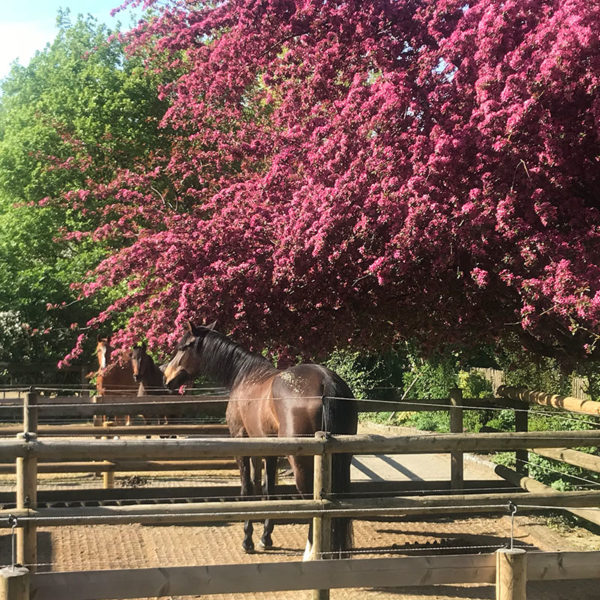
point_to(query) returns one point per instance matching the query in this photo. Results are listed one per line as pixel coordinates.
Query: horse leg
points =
(303, 473)
(244, 466)
(256, 463)
(269, 486)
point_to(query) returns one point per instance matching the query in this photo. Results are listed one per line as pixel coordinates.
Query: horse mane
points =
(229, 364)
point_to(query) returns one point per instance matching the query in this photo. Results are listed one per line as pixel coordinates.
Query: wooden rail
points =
(569, 403)
(411, 571)
(590, 462)
(209, 447)
(132, 466)
(359, 573)
(290, 510)
(68, 431)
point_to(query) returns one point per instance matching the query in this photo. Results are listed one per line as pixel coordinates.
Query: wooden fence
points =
(134, 583)
(510, 569)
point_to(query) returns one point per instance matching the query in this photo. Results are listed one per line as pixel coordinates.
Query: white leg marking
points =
(308, 552)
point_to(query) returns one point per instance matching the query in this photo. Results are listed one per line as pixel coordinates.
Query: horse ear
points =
(144, 346)
(189, 326)
(211, 326)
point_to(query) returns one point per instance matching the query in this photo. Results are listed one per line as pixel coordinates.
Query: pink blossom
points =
(361, 172)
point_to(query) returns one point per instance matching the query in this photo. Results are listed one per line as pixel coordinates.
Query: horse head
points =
(187, 362)
(139, 361)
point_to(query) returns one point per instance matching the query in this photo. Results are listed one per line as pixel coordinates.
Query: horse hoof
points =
(248, 548)
(266, 544)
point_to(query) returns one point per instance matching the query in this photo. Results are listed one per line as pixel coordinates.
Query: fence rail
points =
(345, 573)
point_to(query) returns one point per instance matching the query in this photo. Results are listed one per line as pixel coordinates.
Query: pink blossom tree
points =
(355, 172)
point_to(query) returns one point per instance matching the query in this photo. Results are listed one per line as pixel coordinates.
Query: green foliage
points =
(474, 385)
(503, 420)
(15, 336)
(430, 421)
(523, 368)
(368, 375)
(430, 379)
(80, 110)
(559, 475)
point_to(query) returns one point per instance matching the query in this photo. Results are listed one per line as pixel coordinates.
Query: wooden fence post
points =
(30, 412)
(511, 574)
(26, 470)
(321, 525)
(456, 426)
(522, 424)
(108, 477)
(14, 583)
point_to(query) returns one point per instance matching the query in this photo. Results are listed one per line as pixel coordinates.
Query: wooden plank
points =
(206, 512)
(467, 442)
(569, 403)
(553, 566)
(130, 430)
(161, 449)
(583, 460)
(135, 466)
(263, 577)
(180, 449)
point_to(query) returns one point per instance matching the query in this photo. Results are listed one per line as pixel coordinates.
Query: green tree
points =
(80, 110)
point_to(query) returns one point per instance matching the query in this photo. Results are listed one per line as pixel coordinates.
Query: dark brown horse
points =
(148, 374)
(265, 401)
(114, 378)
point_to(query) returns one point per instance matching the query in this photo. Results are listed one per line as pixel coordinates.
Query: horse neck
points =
(103, 353)
(152, 377)
(228, 364)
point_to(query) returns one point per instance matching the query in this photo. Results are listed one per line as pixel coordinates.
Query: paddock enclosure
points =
(55, 434)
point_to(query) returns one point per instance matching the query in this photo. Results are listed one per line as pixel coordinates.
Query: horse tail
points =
(340, 416)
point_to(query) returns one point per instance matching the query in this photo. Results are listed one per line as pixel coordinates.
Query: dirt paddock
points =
(136, 546)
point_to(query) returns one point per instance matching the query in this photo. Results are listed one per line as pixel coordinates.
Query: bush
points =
(15, 337)
(368, 375)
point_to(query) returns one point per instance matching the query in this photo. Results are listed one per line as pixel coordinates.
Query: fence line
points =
(508, 566)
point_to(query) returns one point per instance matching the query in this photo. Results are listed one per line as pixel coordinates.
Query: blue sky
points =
(28, 25)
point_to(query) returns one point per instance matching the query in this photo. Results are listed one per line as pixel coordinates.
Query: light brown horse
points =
(114, 378)
(265, 401)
